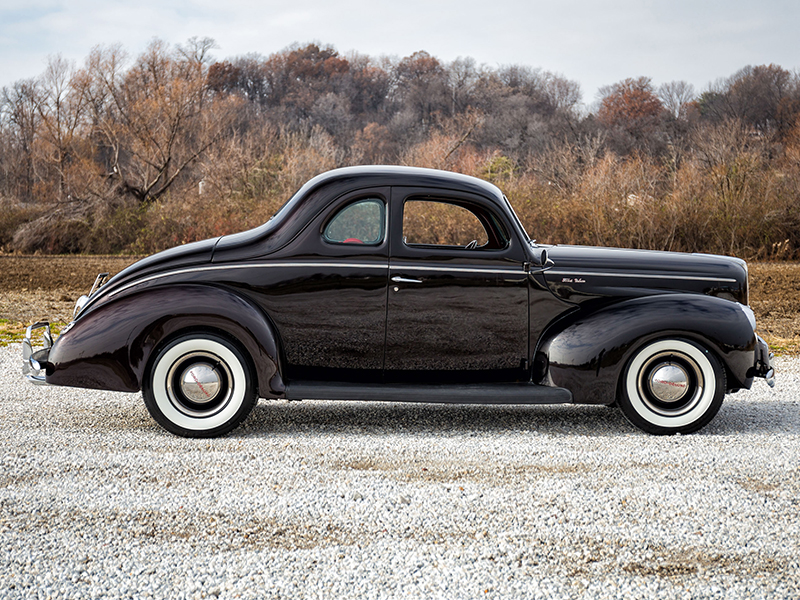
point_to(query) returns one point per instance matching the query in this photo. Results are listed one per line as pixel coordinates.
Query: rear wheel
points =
(199, 385)
(672, 386)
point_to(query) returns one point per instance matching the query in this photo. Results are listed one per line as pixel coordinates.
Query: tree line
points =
(135, 154)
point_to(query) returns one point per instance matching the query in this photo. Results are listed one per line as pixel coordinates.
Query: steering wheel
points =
(472, 245)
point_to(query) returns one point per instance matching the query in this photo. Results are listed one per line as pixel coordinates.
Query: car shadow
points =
(308, 417)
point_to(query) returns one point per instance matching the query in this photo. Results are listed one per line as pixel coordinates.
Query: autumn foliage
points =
(136, 154)
(631, 104)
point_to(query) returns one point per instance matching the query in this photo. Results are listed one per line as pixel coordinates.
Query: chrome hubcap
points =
(200, 383)
(669, 383)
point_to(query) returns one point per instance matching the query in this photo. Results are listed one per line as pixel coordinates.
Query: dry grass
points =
(775, 298)
(725, 194)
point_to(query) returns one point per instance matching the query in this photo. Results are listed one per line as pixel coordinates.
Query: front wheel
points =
(672, 386)
(199, 385)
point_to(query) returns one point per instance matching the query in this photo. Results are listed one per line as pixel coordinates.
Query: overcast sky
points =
(594, 42)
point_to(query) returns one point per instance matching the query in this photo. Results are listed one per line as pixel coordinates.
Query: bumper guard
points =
(763, 364)
(33, 363)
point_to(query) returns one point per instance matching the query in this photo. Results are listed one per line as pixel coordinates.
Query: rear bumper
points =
(34, 363)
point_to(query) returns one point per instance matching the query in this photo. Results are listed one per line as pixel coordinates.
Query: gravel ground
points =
(358, 500)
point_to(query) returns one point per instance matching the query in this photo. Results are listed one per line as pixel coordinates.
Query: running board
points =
(481, 393)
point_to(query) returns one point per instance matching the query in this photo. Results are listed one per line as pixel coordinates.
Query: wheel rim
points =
(670, 383)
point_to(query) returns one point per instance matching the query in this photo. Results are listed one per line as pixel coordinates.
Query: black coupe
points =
(412, 285)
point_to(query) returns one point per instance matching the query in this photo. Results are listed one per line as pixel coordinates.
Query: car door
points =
(457, 307)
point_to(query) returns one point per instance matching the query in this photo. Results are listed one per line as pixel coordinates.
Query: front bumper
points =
(34, 364)
(763, 362)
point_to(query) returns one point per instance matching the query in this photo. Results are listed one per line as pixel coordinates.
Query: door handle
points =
(398, 279)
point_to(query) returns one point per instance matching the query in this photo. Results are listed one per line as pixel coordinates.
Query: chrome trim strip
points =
(400, 267)
(642, 275)
(315, 265)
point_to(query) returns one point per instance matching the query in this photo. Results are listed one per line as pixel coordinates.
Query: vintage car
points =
(410, 285)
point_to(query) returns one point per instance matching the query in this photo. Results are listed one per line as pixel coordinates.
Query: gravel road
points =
(357, 500)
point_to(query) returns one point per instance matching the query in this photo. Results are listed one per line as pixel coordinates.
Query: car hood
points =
(582, 273)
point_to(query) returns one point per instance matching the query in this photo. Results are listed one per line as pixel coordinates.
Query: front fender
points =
(588, 351)
(109, 348)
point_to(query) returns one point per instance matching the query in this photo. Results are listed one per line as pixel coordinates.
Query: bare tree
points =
(564, 94)
(764, 98)
(61, 108)
(421, 85)
(18, 109)
(676, 96)
(462, 74)
(155, 119)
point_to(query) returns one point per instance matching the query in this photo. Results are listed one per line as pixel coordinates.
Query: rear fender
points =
(588, 351)
(110, 347)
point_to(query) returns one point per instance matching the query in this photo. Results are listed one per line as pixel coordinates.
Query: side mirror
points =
(540, 258)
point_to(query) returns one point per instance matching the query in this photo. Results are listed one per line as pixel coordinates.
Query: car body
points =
(368, 285)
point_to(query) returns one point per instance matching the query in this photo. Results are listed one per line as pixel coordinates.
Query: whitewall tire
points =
(199, 385)
(671, 386)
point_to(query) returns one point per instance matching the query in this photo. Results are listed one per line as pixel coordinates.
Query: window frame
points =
(498, 238)
(346, 206)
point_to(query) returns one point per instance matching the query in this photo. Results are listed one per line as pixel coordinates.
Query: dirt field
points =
(45, 287)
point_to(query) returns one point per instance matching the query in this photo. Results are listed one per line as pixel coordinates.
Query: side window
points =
(359, 223)
(443, 223)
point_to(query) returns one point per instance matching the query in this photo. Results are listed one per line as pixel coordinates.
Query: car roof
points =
(293, 215)
(392, 175)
